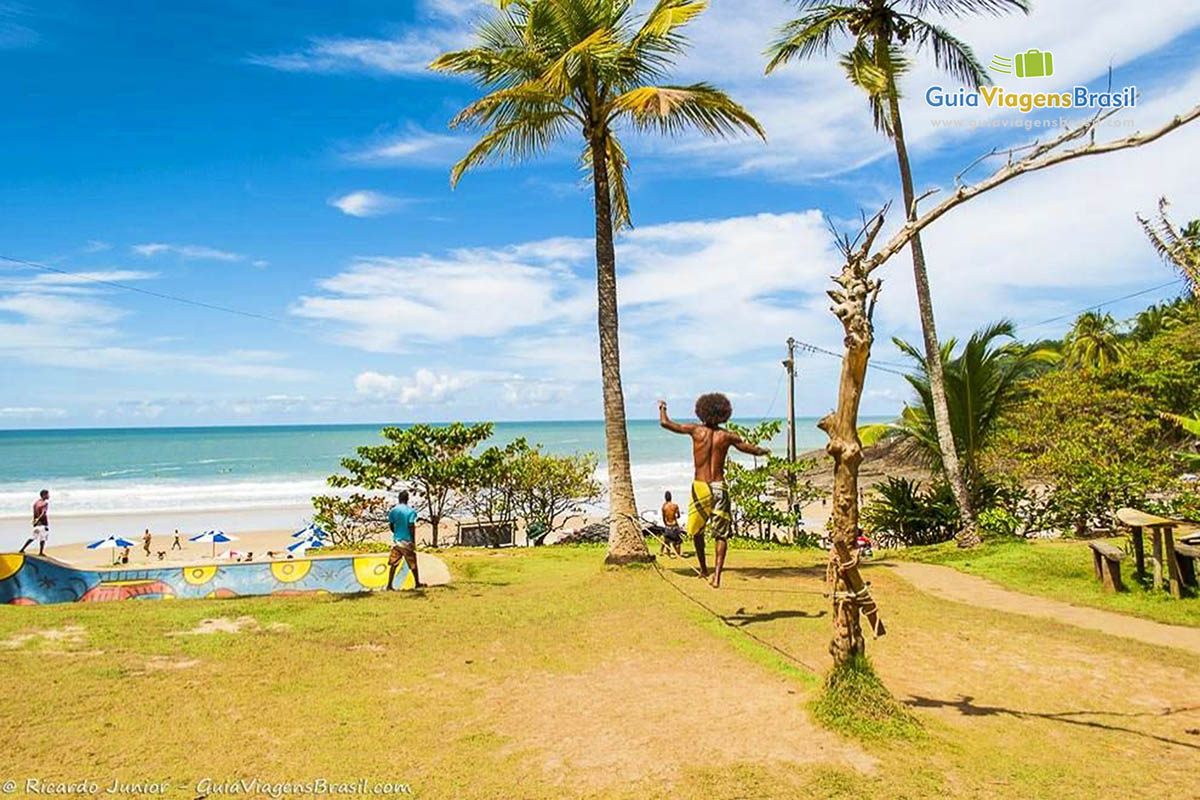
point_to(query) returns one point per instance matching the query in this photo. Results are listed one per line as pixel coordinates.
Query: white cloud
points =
(389, 304)
(367, 203)
(96, 246)
(31, 413)
(441, 25)
(55, 320)
(425, 387)
(819, 125)
(188, 251)
(415, 146)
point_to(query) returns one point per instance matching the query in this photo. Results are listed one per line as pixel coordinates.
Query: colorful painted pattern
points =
(32, 580)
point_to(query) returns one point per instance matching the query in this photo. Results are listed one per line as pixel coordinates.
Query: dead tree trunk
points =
(854, 303)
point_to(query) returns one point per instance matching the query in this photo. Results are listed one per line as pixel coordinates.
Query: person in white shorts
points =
(41, 522)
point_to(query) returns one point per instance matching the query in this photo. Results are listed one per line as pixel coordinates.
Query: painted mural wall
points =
(32, 580)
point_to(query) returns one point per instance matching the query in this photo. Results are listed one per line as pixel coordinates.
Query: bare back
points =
(710, 448)
(710, 445)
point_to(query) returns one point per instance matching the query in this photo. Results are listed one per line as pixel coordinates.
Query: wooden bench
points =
(1106, 560)
(1162, 553)
(1186, 555)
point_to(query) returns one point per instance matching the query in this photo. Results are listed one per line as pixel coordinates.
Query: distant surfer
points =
(402, 519)
(711, 511)
(41, 522)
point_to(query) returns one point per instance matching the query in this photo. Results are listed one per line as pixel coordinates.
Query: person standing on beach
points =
(41, 522)
(672, 536)
(710, 510)
(146, 542)
(402, 519)
(175, 545)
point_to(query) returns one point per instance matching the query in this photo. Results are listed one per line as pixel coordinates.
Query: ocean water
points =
(165, 471)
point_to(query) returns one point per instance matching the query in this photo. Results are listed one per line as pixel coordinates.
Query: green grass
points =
(1061, 570)
(541, 674)
(854, 701)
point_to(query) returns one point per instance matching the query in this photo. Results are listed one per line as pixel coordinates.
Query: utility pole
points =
(790, 365)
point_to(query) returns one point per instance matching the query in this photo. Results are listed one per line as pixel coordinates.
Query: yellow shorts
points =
(711, 511)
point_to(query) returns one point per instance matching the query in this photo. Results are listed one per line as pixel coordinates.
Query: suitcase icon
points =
(1033, 63)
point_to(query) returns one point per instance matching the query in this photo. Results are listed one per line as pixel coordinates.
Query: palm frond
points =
(950, 53)
(811, 34)
(672, 109)
(519, 139)
(618, 189)
(1179, 249)
(667, 16)
(962, 8)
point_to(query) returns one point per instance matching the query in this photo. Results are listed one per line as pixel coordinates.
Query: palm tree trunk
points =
(968, 536)
(625, 541)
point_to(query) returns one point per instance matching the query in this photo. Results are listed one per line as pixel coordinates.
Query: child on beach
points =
(175, 545)
(146, 542)
(710, 508)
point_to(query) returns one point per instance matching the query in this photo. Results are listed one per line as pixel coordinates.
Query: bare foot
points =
(715, 582)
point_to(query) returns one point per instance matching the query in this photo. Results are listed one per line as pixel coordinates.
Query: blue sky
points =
(291, 160)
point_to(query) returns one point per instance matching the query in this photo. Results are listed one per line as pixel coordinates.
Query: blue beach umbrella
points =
(212, 537)
(311, 531)
(111, 541)
(301, 545)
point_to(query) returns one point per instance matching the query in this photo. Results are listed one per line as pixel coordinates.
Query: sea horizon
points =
(121, 479)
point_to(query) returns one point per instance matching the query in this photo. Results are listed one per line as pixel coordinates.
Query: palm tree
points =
(1179, 247)
(1094, 343)
(881, 30)
(983, 381)
(551, 67)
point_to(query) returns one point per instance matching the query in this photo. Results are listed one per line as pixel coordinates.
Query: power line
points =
(149, 292)
(887, 366)
(882, 366)
(1101, 304)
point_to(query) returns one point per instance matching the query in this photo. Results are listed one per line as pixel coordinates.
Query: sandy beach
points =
(256, 540)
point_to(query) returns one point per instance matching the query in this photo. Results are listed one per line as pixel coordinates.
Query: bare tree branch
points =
(1039, 157)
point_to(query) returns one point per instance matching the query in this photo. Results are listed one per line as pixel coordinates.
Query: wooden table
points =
(1162, 547)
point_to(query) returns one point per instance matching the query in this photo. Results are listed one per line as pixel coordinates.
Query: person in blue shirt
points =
(402, 519)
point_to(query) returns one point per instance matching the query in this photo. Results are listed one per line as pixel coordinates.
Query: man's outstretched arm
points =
(670, 425)
(752, 449)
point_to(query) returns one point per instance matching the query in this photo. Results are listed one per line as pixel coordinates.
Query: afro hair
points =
(713, 409)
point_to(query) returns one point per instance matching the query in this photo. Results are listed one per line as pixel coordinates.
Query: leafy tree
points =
(434, 461)
(1165, 370)
(552, 488)
(881, 30)
(759, 492)
(1094, 342)
(489, 491)
(1095, 448)
(351, 521)
(983, 382)
(1178, 247)
(553, 67)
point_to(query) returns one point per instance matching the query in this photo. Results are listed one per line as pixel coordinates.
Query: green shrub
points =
(998, 521)
(903, 513)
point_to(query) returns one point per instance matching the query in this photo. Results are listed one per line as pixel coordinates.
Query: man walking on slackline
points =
(710, 511)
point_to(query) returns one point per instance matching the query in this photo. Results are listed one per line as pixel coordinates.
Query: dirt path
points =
(951, 584)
